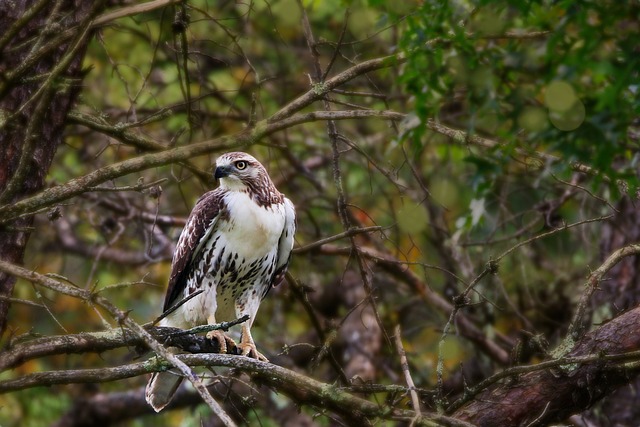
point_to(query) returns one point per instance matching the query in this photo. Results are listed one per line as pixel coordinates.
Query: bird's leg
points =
(224, 341)
(247, 347)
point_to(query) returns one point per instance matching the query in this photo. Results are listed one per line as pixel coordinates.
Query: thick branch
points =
(302, 389)
(81, 184)
(98, 342)
(123, 319)
(554, 394)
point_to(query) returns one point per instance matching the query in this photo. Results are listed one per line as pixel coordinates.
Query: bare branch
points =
(131, 10)
(302, 389)
(348, 233)
(415, 401)
(594, 367)
(79, 185)
(579, 324)
(399, 269)
(123, 319)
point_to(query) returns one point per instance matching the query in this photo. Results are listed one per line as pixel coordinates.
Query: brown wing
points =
(201, 222)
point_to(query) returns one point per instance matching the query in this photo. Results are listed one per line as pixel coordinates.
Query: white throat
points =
(232, 184)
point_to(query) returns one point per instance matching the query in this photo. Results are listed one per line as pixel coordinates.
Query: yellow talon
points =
(224, 341)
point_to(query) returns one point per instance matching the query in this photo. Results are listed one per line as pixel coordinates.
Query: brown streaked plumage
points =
(234, 247)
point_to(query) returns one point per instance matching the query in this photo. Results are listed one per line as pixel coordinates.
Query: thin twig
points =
(550, 233)
(578, 325)
(222, 326)
(138, 187)
(122, 318)
(586, 190)
(21, 301)
(415, 400)
(349, 233)
(177, 305)
(334, 56)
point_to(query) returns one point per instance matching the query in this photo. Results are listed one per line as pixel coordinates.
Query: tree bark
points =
(41, 51)
(238, 398)
(619, 292)
(544, 396)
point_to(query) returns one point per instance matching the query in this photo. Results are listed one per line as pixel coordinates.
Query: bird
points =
(235, 246)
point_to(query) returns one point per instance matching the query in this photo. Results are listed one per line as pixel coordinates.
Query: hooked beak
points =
(221, 172)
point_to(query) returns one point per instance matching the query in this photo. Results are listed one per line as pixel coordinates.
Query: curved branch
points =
(99, 342)
(262, 129)
(123, 319)
(399, 269)
(301, 388)
(554, 394)
(465, 138)
(578, 324)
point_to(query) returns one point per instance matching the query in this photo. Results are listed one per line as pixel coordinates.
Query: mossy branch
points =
(82, 184)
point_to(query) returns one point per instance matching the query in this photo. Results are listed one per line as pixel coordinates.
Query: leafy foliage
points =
(461, 242)
(561, 77)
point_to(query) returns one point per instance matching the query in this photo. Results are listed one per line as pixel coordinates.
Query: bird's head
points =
(238, 171)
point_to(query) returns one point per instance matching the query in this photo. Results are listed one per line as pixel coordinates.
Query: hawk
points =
(235, 246)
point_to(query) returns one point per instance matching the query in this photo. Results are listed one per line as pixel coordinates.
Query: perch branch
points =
(123, 319)
(299, 387)
(99, 342)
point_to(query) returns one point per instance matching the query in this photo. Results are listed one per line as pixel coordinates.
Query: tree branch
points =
(399, 269)
(579, 324)
(596, 366)
(302, 389)
(80, 185)
(98, 342)
(123, 319)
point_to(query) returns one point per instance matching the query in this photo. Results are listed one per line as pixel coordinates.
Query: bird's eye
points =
(241, 165)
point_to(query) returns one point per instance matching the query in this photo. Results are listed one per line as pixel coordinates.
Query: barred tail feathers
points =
(163, 385)
(161, 388)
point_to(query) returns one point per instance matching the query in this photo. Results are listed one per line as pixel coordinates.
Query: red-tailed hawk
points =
(234, 247)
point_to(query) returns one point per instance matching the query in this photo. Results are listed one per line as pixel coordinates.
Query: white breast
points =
(251, 230)
(244, 233)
